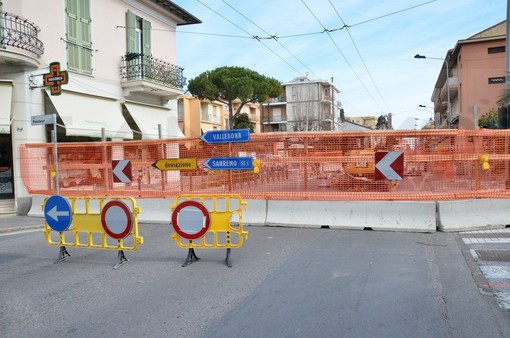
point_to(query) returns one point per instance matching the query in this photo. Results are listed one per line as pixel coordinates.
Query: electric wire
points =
(259, 40)
(273, 38)
(343, 56)
(361, 57)
(325, 30)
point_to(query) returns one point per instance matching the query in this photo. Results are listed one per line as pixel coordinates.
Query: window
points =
(79, 42)
(138, 35)
(494, 50)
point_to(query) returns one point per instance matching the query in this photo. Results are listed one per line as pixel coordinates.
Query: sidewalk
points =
(11, 223)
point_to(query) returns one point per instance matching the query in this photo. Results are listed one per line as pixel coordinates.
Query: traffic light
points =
(256, 165)
(484, 159)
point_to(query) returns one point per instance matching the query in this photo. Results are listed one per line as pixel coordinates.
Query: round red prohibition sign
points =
(116, 219)
(191, 220)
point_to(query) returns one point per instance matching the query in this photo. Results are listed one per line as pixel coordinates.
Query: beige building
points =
(367, 121)
(476, 79)
(199, 116)
(122, 80)
(253, 111)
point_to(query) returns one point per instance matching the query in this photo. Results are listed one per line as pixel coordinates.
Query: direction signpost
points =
(229, 163)
(226, 136)
(176, 164)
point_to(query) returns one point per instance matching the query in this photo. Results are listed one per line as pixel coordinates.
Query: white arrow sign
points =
(54, 213)
(384, 165)
(120, 169)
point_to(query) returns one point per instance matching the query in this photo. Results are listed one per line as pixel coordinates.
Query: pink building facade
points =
(476, 79)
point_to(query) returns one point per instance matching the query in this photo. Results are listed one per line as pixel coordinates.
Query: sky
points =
(366, 46)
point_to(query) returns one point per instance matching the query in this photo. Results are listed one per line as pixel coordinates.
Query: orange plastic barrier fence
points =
(438, 165)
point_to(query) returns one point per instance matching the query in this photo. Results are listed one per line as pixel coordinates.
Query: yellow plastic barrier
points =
(211, 221)
(93, 226)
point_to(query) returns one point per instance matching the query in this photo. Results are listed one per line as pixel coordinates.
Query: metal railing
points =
(20, 33)
(137, 66)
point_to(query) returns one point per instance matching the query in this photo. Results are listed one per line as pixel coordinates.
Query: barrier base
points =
(121, 259)
(192, 257)
(62, 255)
(228, 259)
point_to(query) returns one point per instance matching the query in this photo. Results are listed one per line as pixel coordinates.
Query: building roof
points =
(186, 17)
(305, 79)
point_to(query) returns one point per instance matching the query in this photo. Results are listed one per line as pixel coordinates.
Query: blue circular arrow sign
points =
(57, 212)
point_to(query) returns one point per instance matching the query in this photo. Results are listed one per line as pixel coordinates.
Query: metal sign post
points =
(39, 120)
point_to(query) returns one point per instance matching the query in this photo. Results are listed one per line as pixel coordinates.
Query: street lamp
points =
(427, 107)
(449, 105)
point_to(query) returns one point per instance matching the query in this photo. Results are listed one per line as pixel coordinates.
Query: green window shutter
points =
(72, 20)
(130, 32)
(73, 58)
(85, 37)
(78, 22)
(85, 20)
(146, 36)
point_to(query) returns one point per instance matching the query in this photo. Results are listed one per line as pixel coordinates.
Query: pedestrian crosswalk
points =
(492, 255)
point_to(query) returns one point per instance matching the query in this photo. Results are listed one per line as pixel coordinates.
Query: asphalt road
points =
(285, 282)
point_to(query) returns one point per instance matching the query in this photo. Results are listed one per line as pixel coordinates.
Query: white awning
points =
(5, 106)
(147, 119)
(85, 115)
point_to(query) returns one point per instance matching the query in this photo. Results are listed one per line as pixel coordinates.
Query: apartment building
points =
(472, 78)
(305, 105)
(110, 67)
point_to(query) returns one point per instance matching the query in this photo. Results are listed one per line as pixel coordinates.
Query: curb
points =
(21, 228)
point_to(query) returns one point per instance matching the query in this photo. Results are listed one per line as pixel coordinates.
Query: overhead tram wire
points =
(361, 58)
(342, 54)
(273, 37)
(253, 36)
(300, 34)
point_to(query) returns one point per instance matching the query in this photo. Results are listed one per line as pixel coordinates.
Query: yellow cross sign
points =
(176, 164)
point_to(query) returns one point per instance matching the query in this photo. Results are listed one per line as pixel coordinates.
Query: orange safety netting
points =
(438, 165)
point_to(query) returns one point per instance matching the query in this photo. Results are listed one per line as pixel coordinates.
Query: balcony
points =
(19, 44)
(274, 120)
(146, 74)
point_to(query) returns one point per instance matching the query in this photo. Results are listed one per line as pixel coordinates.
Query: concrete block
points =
(473, 214)
(393, 216)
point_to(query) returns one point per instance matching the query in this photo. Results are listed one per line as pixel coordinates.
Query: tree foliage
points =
(489, 120)
(243, 121)
(226, 84)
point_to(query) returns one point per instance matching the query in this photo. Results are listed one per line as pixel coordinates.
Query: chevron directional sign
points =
(389, 165)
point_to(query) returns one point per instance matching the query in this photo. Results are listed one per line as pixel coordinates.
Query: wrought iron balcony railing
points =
(20, 33)
(137, 66)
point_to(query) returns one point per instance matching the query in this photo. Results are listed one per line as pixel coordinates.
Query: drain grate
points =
(494, 255)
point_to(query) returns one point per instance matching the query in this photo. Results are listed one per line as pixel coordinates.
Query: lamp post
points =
(448, 103)
(431, 113)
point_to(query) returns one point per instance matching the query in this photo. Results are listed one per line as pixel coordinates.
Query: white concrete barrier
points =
(396, 216)
(155, 210)
(473, 214)
(36, 209)
(256, 213)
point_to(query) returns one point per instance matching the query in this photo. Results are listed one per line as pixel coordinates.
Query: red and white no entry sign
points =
(116, 219)
(191, 220)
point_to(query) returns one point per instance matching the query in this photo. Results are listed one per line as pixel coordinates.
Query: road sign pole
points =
(55, 151)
